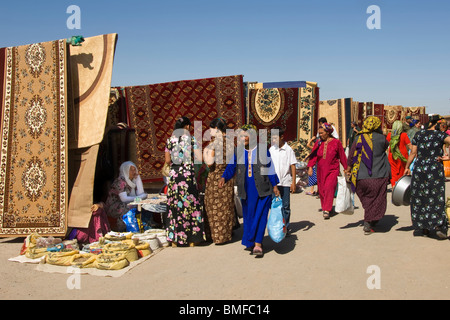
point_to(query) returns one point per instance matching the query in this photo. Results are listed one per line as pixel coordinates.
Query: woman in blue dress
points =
(256, 181)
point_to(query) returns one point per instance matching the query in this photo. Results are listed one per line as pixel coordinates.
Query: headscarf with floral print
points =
(328, 128)
(364, 148)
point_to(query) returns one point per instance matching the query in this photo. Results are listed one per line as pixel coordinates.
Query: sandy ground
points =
(321, 260)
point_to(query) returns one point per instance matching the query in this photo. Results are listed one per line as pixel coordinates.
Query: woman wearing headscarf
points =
(399, 144)
(219, 202)
(443, 126)
(256, 182)
(428, 180)
(413, 129)
(328, 154)
(369, 171)
(123, 190)
(186, 225)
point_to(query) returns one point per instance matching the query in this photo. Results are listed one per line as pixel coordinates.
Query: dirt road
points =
(321, 260)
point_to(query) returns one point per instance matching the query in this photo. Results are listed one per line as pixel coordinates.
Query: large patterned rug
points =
(154, 109)
(392, 114)
(275, 107)
(339, 113)
(33, 186)
(292, 105)
(91, 66)
(415, 112)
(90, 74)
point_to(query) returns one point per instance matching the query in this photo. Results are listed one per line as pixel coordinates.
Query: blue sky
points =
(406, 62)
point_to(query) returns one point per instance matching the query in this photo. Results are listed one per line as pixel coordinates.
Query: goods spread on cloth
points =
(112, 256)
(154, 109)
(33, 182)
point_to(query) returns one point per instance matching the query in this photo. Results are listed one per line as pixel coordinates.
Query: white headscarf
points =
(125, 173)
(136, 184)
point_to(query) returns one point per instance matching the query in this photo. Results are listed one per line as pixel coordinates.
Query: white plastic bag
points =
(344, 203)
(276, 226)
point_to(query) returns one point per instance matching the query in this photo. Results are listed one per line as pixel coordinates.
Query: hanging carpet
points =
(33, 182)
(154, 109)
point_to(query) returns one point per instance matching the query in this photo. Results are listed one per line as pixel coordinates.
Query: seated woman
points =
(98, 226)
(123, 190)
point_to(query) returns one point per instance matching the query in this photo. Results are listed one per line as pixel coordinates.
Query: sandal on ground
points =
(326, 215)
(367, 228)
(258, 252)
(441, 234)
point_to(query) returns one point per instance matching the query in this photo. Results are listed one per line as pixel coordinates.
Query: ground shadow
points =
(285, 246)
(383, 226)
(288, 243)
(12, 240)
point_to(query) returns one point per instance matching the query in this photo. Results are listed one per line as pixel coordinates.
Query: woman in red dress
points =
(328, 154)
(399, 145)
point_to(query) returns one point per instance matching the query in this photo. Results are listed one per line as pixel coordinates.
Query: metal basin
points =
(401, 195)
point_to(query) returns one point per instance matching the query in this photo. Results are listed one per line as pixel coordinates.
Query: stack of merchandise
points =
(115, 251)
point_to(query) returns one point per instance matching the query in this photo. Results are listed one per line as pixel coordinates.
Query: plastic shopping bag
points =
(131, 221)
(344, 203)
(276, 225)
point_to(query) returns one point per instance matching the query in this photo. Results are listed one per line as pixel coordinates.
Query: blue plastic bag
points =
(276, 225)
(131, 221)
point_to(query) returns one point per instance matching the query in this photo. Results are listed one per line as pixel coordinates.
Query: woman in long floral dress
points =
(428, 180)
(185, 209)
(219, 202)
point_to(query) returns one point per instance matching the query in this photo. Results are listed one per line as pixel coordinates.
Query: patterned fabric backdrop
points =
(90, 75)
(339, 113)
(307, 119)
(392, 114)
(293, 105)
(271, 108)
(414, 112)
(33, 187)
(154, 109)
